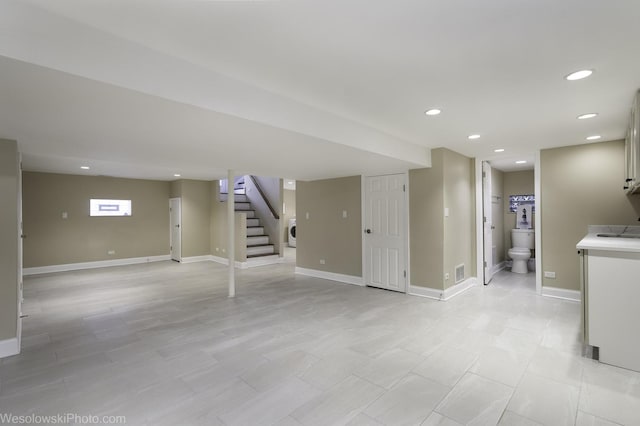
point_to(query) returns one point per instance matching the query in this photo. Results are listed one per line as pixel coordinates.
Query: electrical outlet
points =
(344, 214)
(224, 250)
(111, 252)
(446, 276)
(549, 274)
(322, 261)
(65, 215)
(217, 248)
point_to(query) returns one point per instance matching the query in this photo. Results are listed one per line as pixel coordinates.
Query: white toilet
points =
(523, 241)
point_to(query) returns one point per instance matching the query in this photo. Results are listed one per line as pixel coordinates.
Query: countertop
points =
(592, 242)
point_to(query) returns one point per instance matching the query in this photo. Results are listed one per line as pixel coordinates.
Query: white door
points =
(488, 225)
(175, 221)
(385, 232)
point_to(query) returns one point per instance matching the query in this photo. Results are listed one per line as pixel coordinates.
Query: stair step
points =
(257, 240)
(241, 198)
(254, 230)
(252, 222)
(242, 205)
(260, 250)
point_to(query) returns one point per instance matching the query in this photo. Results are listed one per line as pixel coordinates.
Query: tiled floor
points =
(162, 344)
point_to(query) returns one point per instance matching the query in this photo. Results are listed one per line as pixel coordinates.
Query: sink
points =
(612, 235)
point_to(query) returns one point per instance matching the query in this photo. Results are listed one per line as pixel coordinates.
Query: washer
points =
(292, 232)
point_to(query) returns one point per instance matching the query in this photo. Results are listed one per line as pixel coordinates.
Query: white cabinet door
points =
(614, 306)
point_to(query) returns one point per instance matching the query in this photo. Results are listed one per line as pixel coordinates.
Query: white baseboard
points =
(499, 267)
(9, 347)
(91, 265)
(427, 292)
(561, 293)
(195, 259)
(460, 287)
(443, 295)
(347, 279)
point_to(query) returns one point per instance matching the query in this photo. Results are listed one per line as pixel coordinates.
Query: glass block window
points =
(521, 200)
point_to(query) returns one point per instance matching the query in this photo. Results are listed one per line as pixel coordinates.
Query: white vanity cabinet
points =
(611, 298)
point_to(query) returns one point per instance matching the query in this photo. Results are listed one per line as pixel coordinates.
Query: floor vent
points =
(459, 273)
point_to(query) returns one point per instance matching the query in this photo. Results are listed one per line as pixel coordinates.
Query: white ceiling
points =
(313, 88)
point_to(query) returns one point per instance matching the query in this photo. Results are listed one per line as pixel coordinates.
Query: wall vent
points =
(459, 273)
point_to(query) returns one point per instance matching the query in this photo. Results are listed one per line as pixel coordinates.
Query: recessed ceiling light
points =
(585, 116)
(593, 138)
(176, 174)
(521, 161)
(85, 167)
(579, 75)
(499, 150)
(474, 137)
(434, 111)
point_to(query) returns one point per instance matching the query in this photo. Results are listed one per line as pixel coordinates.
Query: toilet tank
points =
(523, 238)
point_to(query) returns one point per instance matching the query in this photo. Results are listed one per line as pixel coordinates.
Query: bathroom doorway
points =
(502, 186)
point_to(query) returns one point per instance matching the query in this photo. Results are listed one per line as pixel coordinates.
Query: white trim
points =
(91, 265)
(9, 347)
(363, 222)
(445, 295)
(195, 259)
(347, 279)
(430, 293)
(455, 290)
(479, 223)
(407, 224)
(538, 221)
(499, 267)
(561, 293)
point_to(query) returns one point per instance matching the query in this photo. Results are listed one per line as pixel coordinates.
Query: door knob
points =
(368, 231)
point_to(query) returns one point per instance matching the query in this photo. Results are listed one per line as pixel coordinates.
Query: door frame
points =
(171, 228)
(537, 190)
(20, 255)
(405, 227)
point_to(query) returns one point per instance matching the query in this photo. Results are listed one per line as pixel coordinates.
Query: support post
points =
(231, 226)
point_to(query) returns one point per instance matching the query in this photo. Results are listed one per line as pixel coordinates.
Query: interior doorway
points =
(385, 232)
(175, 223)
(502, 186)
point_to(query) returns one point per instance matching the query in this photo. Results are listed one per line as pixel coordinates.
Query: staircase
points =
(258, 244)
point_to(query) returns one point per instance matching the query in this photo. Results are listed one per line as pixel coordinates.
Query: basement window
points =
(100, 207)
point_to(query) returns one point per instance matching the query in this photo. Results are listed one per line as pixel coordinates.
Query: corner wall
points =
(9, 225)
(326, 234)
(439, 243)
(580, 185)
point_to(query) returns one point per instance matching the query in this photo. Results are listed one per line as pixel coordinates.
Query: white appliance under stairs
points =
(258, 243)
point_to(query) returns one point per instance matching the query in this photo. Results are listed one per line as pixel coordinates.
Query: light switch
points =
(65, 215)
(344, 214)
(307, 215)
(446, 212)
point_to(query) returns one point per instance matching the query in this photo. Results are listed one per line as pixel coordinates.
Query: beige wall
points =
(289, 203)
(581, 185)
(459, 226)
(8, 239)
(52, 240)
(218, 231)
(195, 198)
(326, 234)
(515, 183)
(439, 244)
(497, 214)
